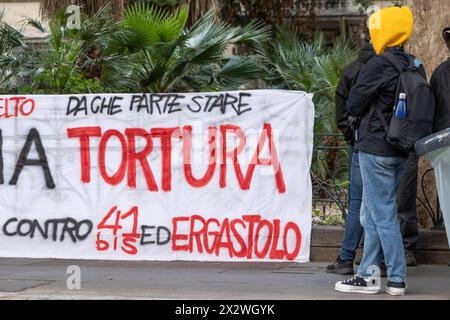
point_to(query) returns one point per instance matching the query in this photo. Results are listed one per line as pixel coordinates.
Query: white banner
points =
(218, 176)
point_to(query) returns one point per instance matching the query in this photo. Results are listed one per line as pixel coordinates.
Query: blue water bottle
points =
(401, 110)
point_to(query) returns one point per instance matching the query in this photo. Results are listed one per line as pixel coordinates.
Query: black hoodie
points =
(348, 79)
(440, 81)
(377, 85)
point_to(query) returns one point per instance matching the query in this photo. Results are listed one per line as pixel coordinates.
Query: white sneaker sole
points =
(349, 289)
(395, 291)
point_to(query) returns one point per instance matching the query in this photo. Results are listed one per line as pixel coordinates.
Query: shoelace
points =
(350, 280)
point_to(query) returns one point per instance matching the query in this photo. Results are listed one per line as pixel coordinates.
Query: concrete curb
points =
(326, 243)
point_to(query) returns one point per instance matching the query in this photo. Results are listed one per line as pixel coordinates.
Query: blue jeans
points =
(353, 229)
(381, 176)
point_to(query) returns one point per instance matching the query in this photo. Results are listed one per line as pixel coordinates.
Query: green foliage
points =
(296, 64)
(160, 3)
(74, 82)
(191, 60)
(149, 26)
(14, 54)
(101, 55)
(364, 3)
(293, 63)
(149, 50)
(367, 3)
(57, 67)
(330, 217)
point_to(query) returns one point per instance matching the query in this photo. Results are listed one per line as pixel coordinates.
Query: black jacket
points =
(440, 81)
(376, 84)
(348, 79)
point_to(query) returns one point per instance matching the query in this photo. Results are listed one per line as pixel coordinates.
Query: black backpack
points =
(402, 134)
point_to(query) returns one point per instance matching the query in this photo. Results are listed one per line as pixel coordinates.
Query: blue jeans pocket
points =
(389, 161)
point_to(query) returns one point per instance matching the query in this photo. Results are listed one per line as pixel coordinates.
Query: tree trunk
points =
(119, 8)
(427, 44)
(197, 8)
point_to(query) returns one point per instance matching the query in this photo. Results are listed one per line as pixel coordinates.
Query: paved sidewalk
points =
(46, 279)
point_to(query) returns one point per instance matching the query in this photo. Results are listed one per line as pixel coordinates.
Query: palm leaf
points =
(35, 23)
(252, 33)
(11, 37)
(238, 71)
(153, 25)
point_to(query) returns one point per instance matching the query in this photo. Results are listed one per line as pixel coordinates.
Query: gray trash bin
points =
(436, 148)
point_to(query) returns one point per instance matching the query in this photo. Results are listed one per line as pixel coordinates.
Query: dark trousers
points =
(406, 204)
(353, 229)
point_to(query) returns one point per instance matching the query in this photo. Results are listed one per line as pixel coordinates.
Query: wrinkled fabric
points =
(353, 229)
(376, 84)
(390, 27)
(440, 82)
(381, 177)
(406, 204)
(347, 81)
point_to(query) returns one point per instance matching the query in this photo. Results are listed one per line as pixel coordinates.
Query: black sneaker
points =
(410, 258)
(341, 267)
(358, 285)
(383, 270)
(396, 288)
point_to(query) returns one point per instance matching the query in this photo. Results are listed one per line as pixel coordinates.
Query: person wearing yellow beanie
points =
(392, 27)
(381, 164)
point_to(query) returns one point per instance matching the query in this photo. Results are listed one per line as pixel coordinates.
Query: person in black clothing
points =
(406, 201)
(440, 82)
(381, 164)
(348, 79)
(407, 209)
(346, 124)
(408, 184)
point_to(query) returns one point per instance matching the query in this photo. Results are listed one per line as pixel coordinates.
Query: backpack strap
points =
(393, 61)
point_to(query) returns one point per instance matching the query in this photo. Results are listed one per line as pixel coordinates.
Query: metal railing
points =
(331, 193)
(433, 211)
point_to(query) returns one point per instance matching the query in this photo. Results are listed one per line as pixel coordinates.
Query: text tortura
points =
(131, 157)
(217, 138)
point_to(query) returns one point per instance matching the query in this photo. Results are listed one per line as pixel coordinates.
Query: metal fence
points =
(330, 193)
